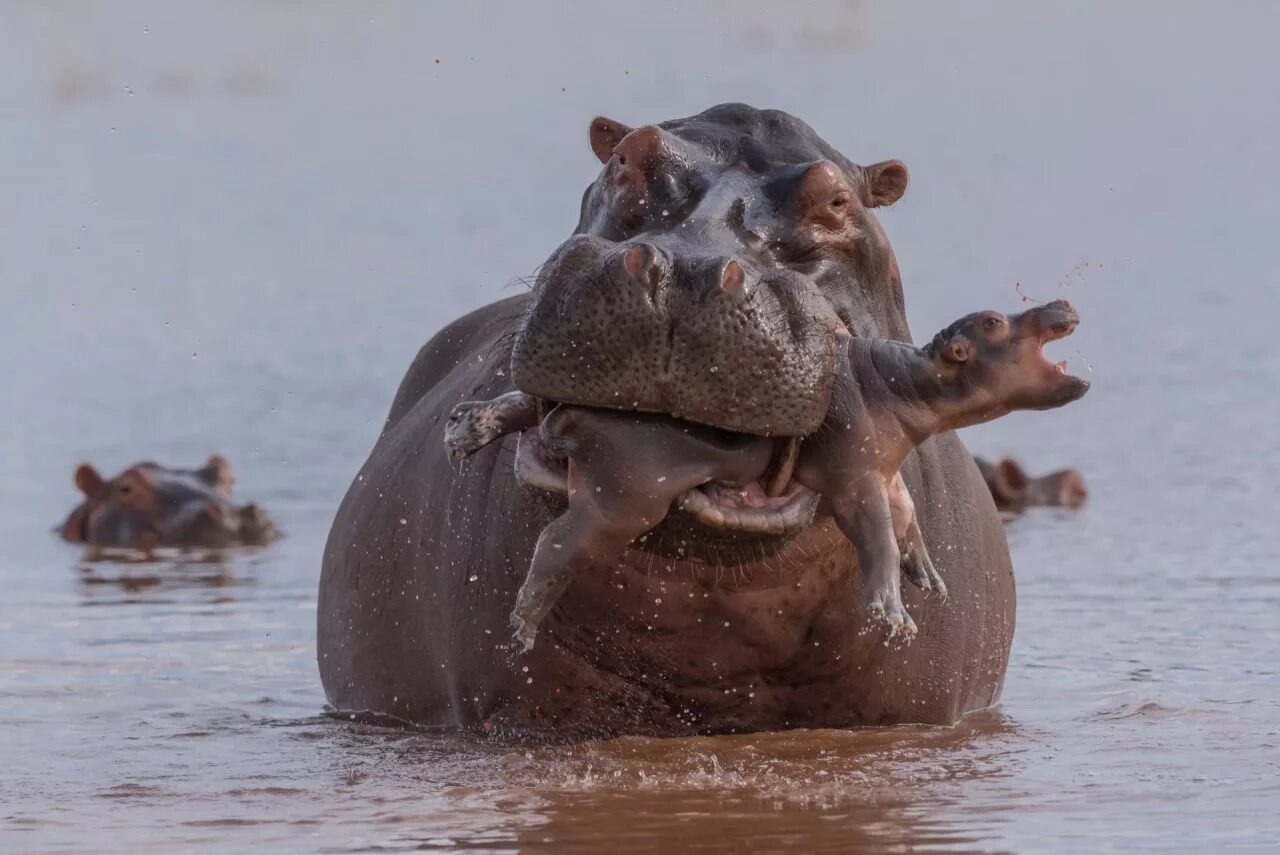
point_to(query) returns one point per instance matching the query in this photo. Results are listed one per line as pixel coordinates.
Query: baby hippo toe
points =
(525, 633)
(467, 430)
(891, 612)
(919, 570)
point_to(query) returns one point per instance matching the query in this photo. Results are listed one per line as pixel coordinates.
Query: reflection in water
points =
(136, 571)
(187, 266)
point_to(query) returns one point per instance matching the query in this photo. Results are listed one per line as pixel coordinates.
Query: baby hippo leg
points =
(917, 566)
(593, 532)
(624, 472)
(474, 424)
(862, 512)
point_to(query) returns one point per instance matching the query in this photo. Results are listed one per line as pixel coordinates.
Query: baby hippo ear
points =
(90, 482)
(956, 349)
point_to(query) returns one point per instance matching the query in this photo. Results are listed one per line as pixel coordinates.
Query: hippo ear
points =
(216, 472)
(1009, 481)
(956, 349)
(885, 183)
(90, 482)
(604, 135)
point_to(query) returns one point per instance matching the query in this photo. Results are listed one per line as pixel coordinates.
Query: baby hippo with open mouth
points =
(625, 470)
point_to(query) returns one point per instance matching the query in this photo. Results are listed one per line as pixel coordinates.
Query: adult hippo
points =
(715, 261)
(149, 506)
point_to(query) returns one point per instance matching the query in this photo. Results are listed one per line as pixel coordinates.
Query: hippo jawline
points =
(773, 504)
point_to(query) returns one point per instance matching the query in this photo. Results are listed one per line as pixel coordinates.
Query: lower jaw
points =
(790, 512)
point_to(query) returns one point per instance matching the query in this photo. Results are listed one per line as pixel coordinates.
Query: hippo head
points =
(989, 364)
(149, 505)
(1014, 490)
(715, 259)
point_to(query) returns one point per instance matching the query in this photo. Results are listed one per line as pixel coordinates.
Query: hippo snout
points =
(642, 326)
(1055, 319)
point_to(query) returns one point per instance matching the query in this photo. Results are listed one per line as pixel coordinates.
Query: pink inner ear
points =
(89, 481)
(886, 182)
(604, 135)
(1011, 477)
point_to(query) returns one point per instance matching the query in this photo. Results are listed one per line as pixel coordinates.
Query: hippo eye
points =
(991, 323)
(839, 202)
(125, 489)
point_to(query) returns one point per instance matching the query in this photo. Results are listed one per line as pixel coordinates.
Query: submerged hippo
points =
(624, 472)
(1014, 490)
(714, 260)
(149, 506)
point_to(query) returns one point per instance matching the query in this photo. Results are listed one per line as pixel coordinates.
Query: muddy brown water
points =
(230, 227)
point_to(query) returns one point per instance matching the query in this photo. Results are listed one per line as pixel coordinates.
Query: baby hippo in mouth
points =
(625, 471)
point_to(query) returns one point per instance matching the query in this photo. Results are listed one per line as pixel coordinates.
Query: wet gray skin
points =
(708, 273)
(715, 261)
(149, 506)
(623, 472)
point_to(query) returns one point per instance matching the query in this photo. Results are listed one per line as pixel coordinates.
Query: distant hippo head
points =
(1014, 490)
(149, 505)
(714, 261)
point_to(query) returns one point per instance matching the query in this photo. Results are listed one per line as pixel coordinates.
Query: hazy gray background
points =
(230, 226)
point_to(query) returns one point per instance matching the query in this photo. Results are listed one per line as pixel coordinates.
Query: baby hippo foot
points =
(472, 425)
(885, 606)
(524, 635)
(919, 570)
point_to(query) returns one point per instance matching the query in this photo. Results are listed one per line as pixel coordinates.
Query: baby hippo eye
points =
(991, 323)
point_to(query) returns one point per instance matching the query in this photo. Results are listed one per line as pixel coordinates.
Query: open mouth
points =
(1061, 326)
(774, 504)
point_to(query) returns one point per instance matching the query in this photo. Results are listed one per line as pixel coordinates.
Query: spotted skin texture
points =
(690, 630)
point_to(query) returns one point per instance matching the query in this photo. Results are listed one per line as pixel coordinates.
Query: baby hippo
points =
(626, 470)
(148, 506)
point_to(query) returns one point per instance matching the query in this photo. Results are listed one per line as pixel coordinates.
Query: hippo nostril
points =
(732, 277)
(644, 263)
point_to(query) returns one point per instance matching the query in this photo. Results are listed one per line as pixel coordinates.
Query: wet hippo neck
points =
(905, 399)
(692, 628)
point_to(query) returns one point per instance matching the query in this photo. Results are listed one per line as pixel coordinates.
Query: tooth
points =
(786, 464)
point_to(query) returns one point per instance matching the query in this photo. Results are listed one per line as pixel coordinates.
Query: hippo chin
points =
(718, 263)
(149, 506)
